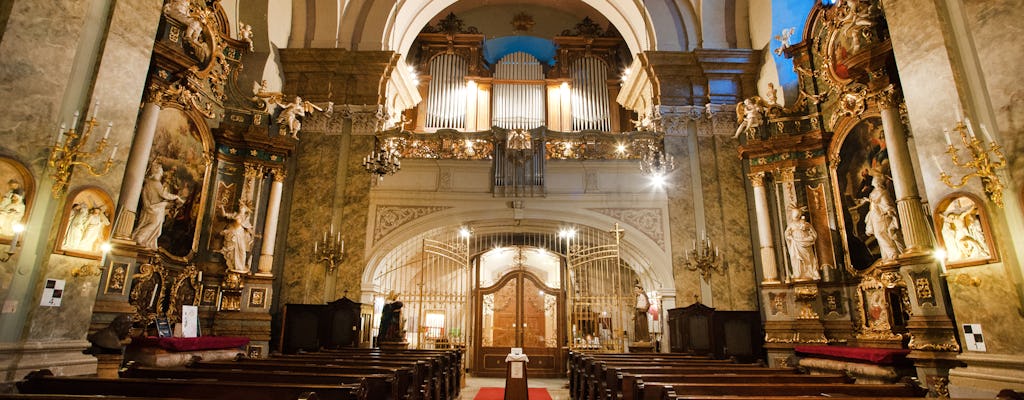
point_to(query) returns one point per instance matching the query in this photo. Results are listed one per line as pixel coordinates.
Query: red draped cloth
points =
(191, 344)
(871, 355)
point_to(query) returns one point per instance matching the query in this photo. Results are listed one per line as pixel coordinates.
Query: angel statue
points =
(292, 113)
(784, 39)
(750, 115)
(245, 34)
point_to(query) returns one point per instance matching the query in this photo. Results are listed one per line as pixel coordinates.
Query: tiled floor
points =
(558, 388)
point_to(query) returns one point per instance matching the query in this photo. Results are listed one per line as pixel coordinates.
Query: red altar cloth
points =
(871, 355)
(191, 344)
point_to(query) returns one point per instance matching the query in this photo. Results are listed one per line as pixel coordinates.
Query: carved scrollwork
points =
(185, 290)
(147, 293)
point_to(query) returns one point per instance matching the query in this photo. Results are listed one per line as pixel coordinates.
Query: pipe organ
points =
(523, 88)
(518, 101)
(446, 104)
(589, 101)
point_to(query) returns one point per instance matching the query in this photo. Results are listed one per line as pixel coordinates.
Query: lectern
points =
(515, 375)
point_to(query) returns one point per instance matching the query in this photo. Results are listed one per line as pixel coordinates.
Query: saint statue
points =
(882, 222)
(750, 115)
(962, 231)
(155, 199)
(238, 239)
(391, 329)
(800, 238)
(641, 333)
(12, 209)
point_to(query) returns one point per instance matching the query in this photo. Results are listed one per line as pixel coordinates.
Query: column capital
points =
(279, 174)
(886, 98)
(787, 174)
(757, 178)
(252, 170)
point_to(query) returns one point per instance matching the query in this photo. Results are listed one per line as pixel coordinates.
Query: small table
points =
(515, 377)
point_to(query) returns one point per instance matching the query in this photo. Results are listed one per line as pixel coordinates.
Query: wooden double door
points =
(519, 310)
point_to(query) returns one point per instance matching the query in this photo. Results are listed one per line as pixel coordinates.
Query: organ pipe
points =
(589, 100)
(446, 101)
(518, 92)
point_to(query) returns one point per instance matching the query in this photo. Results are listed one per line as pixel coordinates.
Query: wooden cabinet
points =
(700, 329)
(310, 327)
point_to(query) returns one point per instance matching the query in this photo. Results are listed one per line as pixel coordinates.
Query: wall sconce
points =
(330, 250)
(983, 164)
(67, 151)
(704, 257)
(19, 228)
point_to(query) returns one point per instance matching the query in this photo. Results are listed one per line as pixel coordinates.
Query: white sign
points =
(53, 292)
(189, 321)
(517, 370)
(517, 351)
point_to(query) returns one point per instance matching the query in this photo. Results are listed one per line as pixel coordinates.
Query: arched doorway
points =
(519, 302)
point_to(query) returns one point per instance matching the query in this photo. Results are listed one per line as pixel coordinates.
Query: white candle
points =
(342, 246)
(96, 109)
(113, 152)
(959, 114)
(970, 130)
(107, 134)
(938, 165)
(314, 248)
(945, 132)
(74, 120)
(984, 133)
(60, 133)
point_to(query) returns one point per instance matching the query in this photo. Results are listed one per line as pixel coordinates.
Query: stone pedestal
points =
(108, 364)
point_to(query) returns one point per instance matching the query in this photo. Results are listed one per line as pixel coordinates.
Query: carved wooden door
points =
(520, 311)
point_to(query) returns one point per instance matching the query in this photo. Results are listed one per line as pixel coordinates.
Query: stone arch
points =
(647, 258)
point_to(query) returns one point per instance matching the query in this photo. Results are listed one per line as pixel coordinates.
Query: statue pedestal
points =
(394, 345)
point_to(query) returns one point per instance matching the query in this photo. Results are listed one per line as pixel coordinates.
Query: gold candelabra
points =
(984, 161)
(704, 257)
(67, 152)
(330, 250)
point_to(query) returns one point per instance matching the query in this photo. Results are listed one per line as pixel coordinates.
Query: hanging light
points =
(655, 162)
(383, 160)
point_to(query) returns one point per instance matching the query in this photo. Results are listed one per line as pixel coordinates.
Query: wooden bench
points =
(428, 376)
(631, 389)
(378, 386)
(439, 372)
(43, 382)
(662, 390)
(596, 381)
(409, 379)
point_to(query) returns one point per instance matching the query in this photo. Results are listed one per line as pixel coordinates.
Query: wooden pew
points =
(410, 378)
(438, 371)
(662, 390)
(43, 382)
(453, 361)
(603, 376)
(24, 396)
(586, 367)
(614, 377)
(378, 386)
(631, 389)
(428, 374)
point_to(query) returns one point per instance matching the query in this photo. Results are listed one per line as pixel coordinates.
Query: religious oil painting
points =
(258, 298)
(86, 223)
(865, 196)
(962, 228)
(17, 195)
(178, 148)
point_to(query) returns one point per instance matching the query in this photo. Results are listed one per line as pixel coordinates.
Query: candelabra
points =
(383, 160)
(704, 258)
(655, 162)
(984, 161)
(67, 152)
(330, 250)
(15, 242)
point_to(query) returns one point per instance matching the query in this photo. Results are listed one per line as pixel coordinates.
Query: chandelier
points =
(704, 257)
(383, 160)
(655, 162)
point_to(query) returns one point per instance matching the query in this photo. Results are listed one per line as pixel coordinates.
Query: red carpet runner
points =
(499, 394)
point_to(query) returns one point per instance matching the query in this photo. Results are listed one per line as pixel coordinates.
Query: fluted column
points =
(135, 171)
(913, 222)
(764, 231)
(266, 263)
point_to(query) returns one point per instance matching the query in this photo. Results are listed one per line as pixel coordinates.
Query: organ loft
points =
(828, 189)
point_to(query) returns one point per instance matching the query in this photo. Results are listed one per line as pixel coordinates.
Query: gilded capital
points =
(887, 98)
(279, 174)
(787, 174)
(252, 170)
(757, 179)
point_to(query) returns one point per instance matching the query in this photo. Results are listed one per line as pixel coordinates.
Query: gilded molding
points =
(757, 179)
(388, 218)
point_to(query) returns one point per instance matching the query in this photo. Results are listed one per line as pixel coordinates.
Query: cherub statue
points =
(245, 34)
(750, 115)
(292, 113)
(784, 39)
(772, 96)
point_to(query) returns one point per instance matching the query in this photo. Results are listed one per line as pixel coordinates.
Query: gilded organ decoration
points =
(962, 229)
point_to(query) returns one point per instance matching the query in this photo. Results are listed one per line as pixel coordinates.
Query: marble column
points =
(266, 263)
(913, 222)
(787, 177)
(135, 171)
(764, 229)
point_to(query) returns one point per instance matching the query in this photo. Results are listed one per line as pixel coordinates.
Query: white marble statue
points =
(155, 199)
(292, 113)
(882, 222)
(12, 209)
(76, 220)
(962, 231)
(750, 115)
(800, 239)
(238, 239)
(784, 40)
(92, 229)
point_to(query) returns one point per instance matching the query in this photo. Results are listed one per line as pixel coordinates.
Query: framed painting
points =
(117, 274)
(962, 228)
(86, 224)
(182, 147)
